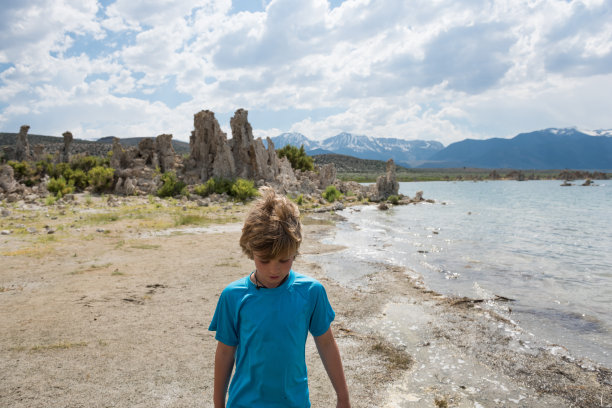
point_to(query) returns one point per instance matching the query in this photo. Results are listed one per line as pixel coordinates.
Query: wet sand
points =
(112, 309)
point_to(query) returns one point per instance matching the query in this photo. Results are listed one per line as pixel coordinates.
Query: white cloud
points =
(441, 70)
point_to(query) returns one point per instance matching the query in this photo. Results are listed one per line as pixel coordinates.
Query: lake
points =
(545, 246)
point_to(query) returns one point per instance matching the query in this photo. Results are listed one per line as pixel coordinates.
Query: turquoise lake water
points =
(547, 247)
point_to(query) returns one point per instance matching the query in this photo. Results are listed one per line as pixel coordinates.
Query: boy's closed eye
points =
(280, 261)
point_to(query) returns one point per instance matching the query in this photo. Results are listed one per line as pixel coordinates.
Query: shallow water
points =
(545, 246)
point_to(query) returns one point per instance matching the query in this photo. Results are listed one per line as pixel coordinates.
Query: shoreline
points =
(464, 354)
(108, 310)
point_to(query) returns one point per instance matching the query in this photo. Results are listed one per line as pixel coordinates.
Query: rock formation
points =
(251, 158)
(65, 152)
(386, 185)
(116, 154)
(212, 155)
(166, 155)
(7, 179)
(138, 168)
(22, 147)
(327, 175)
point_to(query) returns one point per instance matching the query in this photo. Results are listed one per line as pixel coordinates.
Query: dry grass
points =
(396, 359)
(62, 345)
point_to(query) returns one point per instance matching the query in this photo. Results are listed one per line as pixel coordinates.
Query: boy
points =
(262, 321)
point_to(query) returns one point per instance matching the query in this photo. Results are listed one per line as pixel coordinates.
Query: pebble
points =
(32, 230)
(6, 232)
(6, 212)
(100, 230)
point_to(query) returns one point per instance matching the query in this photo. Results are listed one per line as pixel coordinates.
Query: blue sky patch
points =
(165, 93)
(87, 44)
(251, 6)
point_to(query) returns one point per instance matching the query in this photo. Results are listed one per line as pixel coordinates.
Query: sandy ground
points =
(112, 310)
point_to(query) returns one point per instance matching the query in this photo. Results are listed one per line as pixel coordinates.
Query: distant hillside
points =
(179, 146)
(404, 152)
(349, 164)
(543, 149)
(8, 139)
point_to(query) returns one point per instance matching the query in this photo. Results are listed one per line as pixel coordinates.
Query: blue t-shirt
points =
(269, 328)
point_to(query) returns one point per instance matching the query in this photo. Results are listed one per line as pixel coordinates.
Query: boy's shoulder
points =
(305, 279)
(305, 282)
(237, 286)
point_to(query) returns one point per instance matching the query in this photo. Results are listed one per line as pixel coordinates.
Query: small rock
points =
(5, 212)
(6, 232)
(51, 231)
(100, 230)
(383, 206)
(32, 230)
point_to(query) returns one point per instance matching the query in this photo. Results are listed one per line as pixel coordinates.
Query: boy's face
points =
(271, 272)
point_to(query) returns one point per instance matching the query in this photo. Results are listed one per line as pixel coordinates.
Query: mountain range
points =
(407, 153)
(567, 148)
(543, 149)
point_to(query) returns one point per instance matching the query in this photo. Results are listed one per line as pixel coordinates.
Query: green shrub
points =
(201, 190)
(243, 190)
(171, 185)
(300, 199)
(86, 163)
(60, 170)
(393, 199)
(50, 200)
(44, 166)
(297, 157)
(331, 194)
(221, 185)
(22, 170)
(217, 185)
(101, 178)
(79, 178)
(60, 187)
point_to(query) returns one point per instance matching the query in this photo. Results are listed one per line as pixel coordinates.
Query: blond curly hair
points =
(272, 228)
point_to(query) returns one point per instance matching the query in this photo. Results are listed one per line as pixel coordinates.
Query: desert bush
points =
(87, 163)
(60, 170)
(201, 190)
(243, 190)
(393, 199)
(171, 186)
(80, 179)
(240, 189)
(22, 170)
(297, 157)
(331, 194)
(217, 185)
(60, 187)
(101, 178)
(44, 166)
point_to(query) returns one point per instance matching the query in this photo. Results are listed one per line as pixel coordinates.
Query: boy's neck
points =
(259, 285)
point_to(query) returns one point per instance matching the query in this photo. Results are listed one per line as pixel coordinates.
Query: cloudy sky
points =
(441, 70)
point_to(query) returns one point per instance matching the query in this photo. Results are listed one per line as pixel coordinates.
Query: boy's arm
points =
(224, 363)
(330, 356)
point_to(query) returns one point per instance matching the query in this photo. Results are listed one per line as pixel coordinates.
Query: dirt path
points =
(112, 310)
